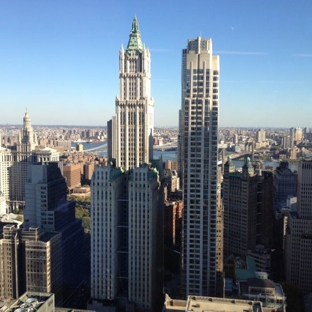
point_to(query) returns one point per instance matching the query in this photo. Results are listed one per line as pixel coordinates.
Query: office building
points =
(46, 207)
(6, 161)
(31, 260)
(298, 238)
(131, 141)
(248, 208)
(72, 173)
(126, 196)
(261, 136)
(43, 261)
(126, 236)
(285, 184)
(9, 262)
(201, 254)
(296, 134)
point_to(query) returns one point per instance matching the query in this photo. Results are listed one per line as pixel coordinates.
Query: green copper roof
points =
(135, 42)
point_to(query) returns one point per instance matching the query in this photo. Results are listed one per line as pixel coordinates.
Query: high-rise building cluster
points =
(44, 253)
(15, 161)
(218, 224)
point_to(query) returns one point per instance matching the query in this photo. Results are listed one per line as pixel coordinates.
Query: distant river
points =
(172, 155)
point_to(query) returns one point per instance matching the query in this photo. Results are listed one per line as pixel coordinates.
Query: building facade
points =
(198, 156)
(47, 207)
(27, 142)
(298, 237)
(285, 184)
(248, 209)
(126, 196)
(131, 141)
(15, 161)
(126, 238)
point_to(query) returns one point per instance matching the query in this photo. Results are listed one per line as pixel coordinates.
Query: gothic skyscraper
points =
(126, 199)
(131, 130)
(198, 157)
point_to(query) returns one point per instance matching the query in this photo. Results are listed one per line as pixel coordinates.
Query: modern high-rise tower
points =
(201, 242)
(130, 141)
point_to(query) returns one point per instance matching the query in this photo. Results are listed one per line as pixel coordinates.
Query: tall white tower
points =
(127, 199)
(130, 142)
(201, 245)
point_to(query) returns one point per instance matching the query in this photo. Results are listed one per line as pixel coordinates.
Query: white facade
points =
(125, 234)
(133, 129)
(143, 217)
(6, 161)
(199, 151)
(45, 155)
(107, 186)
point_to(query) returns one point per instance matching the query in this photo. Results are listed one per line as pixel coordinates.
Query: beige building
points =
(43, 261)
(72, 173)
(198, 156)
(88, 169)
(9, 268)
(6, 161)
(30, 256)
(199, 304)
(126, 237)
(131, 131)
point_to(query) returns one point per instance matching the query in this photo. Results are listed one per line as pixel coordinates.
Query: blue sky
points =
(60, 58)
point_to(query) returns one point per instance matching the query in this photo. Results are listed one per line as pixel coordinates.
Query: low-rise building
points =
(199, 304)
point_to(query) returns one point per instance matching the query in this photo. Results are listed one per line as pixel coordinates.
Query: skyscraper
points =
(201, 242)
(248, 208)
(126, 199)
(298, 240)
(47, 207)
(130, 141)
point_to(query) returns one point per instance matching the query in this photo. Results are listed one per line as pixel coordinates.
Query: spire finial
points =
(135, 42)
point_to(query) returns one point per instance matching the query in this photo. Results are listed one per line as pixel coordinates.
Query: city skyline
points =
(55, 55)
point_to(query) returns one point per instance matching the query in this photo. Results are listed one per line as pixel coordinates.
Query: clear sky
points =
(60, 58)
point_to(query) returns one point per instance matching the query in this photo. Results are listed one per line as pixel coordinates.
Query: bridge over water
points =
(102, 147)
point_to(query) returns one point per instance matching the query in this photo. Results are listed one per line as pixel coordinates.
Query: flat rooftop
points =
(211, 304)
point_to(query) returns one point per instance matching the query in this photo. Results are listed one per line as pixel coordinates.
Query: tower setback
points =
(131, 131)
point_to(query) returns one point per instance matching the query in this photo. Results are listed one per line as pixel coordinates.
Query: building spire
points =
(27, 123)
(135, 41)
